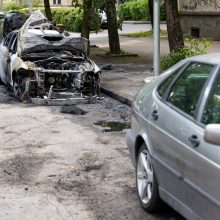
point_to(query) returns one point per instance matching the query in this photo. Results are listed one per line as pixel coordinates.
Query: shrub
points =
(137, 11)
(134, 10)
(12, 7)
(70, 18)
(195, 47)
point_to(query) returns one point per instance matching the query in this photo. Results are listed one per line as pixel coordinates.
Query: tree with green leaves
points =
(91, 10)
(151, 11)
(86, 22)
(174, 30)
(47, 9)
(114, 43)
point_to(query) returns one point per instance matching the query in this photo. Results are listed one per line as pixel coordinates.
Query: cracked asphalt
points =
(55, 163)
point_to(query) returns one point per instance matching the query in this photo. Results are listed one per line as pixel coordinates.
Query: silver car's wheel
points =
(144, 177)
(147, 187)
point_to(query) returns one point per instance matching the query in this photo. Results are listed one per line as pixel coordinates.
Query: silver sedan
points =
(174, 141)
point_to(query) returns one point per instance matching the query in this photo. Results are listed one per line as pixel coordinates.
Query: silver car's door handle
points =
(154, 115)
(194, 141)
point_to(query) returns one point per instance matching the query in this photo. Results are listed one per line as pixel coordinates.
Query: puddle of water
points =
(73, 110)
(113, 125)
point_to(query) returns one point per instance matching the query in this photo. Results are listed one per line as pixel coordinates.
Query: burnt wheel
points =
(19, 86)
(97, 86)
(146, 182)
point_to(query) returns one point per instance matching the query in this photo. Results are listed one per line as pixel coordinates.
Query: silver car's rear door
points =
(172, 123)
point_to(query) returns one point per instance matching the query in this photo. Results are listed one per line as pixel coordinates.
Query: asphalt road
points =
(55, 163)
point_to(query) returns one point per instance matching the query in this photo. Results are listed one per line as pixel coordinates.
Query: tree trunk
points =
(47, 9)
(113, 36)
(151, 11)
(85, 31)
(175, 35)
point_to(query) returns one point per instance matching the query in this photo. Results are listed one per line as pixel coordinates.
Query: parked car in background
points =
(48, 66)
(174, 141)
(104, 23)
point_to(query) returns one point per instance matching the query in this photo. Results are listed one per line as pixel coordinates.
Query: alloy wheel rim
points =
(144, 177)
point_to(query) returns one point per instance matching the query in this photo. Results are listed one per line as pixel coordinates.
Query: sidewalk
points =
(128, 75)
(123, 84)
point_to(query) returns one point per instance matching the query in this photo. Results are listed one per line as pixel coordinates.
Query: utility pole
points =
(156, 48)
(30, 6)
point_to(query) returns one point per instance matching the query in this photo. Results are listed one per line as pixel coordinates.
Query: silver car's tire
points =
(146, 182)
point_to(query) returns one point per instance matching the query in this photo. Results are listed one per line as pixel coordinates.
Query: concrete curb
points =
(116, 96)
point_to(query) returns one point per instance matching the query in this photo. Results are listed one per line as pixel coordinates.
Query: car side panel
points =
(183, 170)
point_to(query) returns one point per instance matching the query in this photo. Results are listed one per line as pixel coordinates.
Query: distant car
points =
(104, 23)
(174, 141)
(48, 66)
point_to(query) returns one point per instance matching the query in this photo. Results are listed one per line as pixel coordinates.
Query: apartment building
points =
(201, 18)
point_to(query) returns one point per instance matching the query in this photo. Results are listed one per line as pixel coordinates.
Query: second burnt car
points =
(46, 65)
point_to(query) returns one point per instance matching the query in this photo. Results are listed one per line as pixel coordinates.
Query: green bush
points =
(195, 47)
(137, 11)
(134, 10)
(69, 18)
(12, 7)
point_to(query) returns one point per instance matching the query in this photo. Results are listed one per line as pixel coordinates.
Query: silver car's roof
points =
(213, 58)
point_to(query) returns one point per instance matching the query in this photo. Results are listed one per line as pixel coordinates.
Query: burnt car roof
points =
(38, 34)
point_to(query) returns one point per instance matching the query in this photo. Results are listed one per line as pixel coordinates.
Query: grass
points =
(163, 33)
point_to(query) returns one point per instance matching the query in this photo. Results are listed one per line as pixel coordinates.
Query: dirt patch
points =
(21, 169)
(74, 110)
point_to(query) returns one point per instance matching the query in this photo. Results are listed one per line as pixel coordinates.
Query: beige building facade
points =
(201, 18)
(60, 3)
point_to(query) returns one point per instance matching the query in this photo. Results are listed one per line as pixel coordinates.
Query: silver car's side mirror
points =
(212, 134)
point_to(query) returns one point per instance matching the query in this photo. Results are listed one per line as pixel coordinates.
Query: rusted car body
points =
(48, 66)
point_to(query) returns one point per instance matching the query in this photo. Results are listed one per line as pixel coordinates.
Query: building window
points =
(57, 2)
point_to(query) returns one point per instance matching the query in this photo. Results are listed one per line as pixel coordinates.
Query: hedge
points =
(70, 18)
(137, 11)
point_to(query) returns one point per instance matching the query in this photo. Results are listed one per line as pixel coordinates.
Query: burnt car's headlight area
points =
(61, 75)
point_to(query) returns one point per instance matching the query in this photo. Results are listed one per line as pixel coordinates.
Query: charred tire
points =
(19, 86)
(1, 83)
(96, 85)
(146, 182)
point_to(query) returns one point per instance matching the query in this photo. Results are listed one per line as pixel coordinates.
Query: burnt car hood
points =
(36, 35)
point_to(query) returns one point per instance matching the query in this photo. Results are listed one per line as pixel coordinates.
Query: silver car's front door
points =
(203, 173)
(171, 127)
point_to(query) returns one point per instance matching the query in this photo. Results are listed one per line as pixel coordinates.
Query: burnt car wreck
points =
(48, 66)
